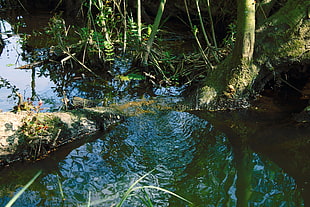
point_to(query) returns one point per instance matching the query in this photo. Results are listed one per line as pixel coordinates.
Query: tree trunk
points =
(236, 74)
(282, 40)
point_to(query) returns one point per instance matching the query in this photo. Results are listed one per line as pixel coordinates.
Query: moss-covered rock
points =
(28, 135)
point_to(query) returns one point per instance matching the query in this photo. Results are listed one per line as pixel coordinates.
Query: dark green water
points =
(201, 161)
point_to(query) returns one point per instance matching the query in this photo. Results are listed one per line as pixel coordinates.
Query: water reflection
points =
(191, 156)
(41, 74)
(26, 81)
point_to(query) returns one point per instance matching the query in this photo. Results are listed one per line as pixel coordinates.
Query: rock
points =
(28, 135)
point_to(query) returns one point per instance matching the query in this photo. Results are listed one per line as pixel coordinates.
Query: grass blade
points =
(164, 190)
(131, 188)
(89, 196)
(60, 189)
(15, 197)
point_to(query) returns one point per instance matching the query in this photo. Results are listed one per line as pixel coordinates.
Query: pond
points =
(210, 159)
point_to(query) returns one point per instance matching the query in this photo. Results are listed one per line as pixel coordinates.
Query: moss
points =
(208, 94)
(285, 36)
(228, 86)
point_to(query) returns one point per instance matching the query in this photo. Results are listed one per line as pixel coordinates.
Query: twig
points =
(290, 85)
(57, 136)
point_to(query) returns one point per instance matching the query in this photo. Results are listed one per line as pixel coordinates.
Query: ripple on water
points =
(189, 155)
(109, 165)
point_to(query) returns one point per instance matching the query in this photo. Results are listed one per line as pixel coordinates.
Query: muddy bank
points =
(29, 136)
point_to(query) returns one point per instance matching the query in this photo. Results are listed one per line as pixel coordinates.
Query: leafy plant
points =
(230, 39)
(4, 83)
(37, 131)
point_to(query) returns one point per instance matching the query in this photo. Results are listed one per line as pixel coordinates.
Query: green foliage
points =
(35, 127)
(145, 199)
(57, 29)
(98, 43)
(131, 191)
(130, 76)
(88, 40)
(134, 43)
(4, 83)
(133, 35)
(229, 40)
(38, 133)
(108, 50)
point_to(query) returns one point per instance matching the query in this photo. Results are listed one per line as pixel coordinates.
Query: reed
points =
(60, 188)
(212, 24)
(130, 192)
(212, 48)
(139, 19)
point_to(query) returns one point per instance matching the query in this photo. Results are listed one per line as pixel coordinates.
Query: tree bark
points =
(281, 40)
(244, 46)
(235, 75)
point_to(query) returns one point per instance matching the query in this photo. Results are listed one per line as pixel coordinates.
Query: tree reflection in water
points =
(192, 158)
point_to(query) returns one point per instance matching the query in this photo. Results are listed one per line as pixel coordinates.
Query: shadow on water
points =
(212, 159)
(278, 142)
(227, 159)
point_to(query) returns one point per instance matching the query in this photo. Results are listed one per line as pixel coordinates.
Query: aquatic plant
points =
(110, 31)
(155, 26)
